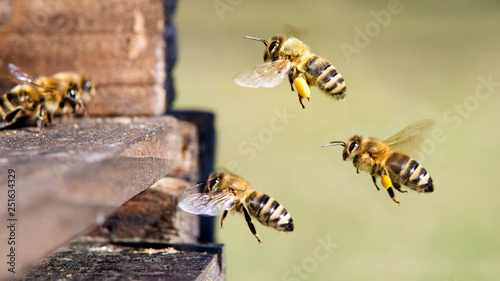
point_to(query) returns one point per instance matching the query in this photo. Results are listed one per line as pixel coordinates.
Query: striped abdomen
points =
(268, 212)
(10, 109)
(8, 103)
(405, 170)
(325, 76)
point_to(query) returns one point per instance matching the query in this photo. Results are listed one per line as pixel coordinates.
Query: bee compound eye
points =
(213, 182)
(352, 146)
(273, 46)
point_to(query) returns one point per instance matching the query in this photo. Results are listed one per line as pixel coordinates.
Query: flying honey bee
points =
(225, 192)
(291, 56)
(37, 100)
(380, 159)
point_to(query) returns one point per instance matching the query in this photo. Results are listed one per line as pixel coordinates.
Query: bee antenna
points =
(197, 185)
(333, 143)
(201, 183)
(255, 38)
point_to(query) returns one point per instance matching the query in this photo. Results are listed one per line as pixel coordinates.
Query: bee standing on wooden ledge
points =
(291, 56)
(380, 160)
(225, 192)
(38, 100)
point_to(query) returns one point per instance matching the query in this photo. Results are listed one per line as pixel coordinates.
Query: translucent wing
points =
(409, 138)
(24, 77)
(266, 75)
(19, 74)
(207, 204)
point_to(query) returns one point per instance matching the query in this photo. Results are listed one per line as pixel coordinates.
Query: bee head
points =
(349, 147)
(85, 93)
(213, 180)
(272, 46)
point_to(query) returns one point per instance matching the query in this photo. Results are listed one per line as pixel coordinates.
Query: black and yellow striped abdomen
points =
(405, 170)
(268, 211)
(8, 103)
(320, 72)
(13, 106)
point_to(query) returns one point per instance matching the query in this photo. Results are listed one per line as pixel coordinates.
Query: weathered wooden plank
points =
(78, 172)
(82, 260)
(58, 16)
(138, 98)
(82, 55)
(117, 44)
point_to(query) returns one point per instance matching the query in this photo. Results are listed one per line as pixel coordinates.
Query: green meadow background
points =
(402, 61)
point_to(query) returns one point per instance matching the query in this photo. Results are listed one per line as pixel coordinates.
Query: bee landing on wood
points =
(225, 192)
(380, 159)
(38, 100)
(291, 57)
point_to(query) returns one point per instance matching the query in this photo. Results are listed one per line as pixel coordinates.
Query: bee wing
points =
(266, 75)
(207, 204)
(24, 77)
(408, 139)
(19, 74)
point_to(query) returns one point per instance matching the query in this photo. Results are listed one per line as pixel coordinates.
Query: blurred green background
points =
(426, 61)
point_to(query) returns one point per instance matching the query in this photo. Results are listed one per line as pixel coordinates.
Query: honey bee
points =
(62, 81)
(380, 159)
(291, 56)
(225, 192)
(40, 99)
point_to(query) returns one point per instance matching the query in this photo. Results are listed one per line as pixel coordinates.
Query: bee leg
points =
(48, 119)
(391, 193)
(222, 218)
(302, 86)
(355, 162)
(250, 224)
(387, 184)
(40, 122)
(373, 174)
(397, 186)
(291, 75)
(374, 179)
(300, 100)
(84, 108)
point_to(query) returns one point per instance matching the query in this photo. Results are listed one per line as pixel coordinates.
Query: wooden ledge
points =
(77, 172)
(84, 260)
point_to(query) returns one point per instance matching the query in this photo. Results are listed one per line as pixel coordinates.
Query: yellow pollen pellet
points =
(302, 87)
(386, 181)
